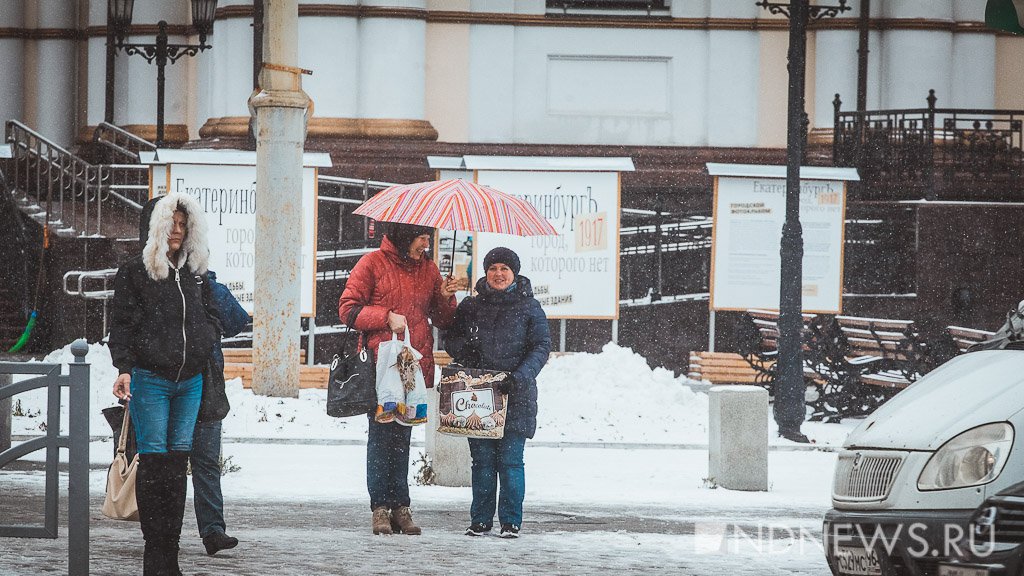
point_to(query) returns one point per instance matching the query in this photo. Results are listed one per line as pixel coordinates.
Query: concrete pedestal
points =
(738, 442)
(449, 455)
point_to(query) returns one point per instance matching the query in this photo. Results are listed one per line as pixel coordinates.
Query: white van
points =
(911, 475)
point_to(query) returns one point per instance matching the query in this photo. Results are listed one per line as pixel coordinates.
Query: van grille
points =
(1010, 519)
(862, 477)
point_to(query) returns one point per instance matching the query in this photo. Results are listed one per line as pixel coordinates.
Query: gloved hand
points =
(507, 385)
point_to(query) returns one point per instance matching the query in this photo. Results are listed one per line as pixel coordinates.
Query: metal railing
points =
(120, 143)
(71, 192)
(76, 441)
(81, 277)
(931, 153)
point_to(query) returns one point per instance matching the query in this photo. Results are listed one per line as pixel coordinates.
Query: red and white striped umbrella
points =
(456, 205)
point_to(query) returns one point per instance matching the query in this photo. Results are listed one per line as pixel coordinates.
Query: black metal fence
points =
(931, 153)
(76, 441)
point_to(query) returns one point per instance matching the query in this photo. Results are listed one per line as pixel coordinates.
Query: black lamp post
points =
(119, 17)
(789, 382)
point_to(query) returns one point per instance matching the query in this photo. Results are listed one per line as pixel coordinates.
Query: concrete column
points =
(449, 455)
(974, 72)
(392, 54)
(12, 62)
(738, 437)
(53, 83)
(733, 78)
(280, 133)
(914, 61)
(330, 47)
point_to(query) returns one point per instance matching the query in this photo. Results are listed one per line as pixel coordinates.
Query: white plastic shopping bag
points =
(401, 389)
(390, 392)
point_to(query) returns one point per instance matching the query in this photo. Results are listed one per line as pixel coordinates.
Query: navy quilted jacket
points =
(504, 331)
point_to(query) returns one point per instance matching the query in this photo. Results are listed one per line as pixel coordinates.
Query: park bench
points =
(759, 347)
(869, 361)
(964, 338)
(720, 368)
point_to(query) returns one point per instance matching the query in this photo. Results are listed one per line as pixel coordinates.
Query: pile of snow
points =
(610, 397)
(615, 396)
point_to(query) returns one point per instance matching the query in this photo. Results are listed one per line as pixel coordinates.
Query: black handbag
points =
(352, 385)
(214, 405)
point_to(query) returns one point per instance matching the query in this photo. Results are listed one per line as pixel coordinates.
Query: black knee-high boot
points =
(151, 495)
(174, 512)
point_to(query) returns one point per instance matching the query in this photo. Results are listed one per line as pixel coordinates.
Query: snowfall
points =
(612, 433)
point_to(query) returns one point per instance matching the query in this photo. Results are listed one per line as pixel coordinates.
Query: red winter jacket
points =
(384, 281)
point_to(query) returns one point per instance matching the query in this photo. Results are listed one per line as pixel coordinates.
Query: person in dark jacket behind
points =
(161, 338)
(503, 328)
(391, 290)
(208, 498)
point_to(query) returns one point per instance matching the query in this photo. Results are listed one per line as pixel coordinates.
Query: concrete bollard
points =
(449, 455)
(738, 437)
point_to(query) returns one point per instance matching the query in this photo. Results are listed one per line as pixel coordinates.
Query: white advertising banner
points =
(228, 194)
(748, 217)
(574, 274)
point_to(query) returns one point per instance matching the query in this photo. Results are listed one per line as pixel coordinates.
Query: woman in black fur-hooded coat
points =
(161, 337)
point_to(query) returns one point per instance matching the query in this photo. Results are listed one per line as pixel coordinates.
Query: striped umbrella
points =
(457, 205)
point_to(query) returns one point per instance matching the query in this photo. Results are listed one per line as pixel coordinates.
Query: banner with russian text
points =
(747, 232)
(228, 194)
(574, 274)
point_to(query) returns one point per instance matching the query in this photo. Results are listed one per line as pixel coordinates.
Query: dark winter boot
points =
(150, 494)
(177, 489)
(381, 521)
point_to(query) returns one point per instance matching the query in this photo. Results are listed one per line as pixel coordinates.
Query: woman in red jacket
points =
(391, 290)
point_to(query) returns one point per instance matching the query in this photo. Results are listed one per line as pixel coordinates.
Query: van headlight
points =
(972, 458)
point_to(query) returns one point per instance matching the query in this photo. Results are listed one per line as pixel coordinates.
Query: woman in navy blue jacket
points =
(503, 328)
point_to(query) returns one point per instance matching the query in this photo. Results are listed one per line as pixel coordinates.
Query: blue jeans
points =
(495, 460)
(164, 412)
(387, 464)
(208, 498)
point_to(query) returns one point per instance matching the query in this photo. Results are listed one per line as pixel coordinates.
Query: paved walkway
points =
(301, 538)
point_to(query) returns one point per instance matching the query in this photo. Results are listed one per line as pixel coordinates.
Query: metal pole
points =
(280, 109)
(615, 331)
(5, 415)
(161, 63)
(789, 400)
(108, 106)
(78, 461)
(311, 341)
(561, 334)
(862, 55)
(711, 330)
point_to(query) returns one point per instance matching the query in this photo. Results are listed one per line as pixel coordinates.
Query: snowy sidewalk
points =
(303, 510)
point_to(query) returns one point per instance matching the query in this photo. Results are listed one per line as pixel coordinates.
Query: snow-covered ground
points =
(616, 481)
(611, 397)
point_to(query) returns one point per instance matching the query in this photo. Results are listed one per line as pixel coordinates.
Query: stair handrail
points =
(63, 178)
(132, 143)
(105, 295)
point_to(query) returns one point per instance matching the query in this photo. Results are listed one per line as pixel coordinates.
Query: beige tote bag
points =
(120, 503)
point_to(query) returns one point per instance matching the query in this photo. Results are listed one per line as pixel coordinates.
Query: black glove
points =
(505, 386)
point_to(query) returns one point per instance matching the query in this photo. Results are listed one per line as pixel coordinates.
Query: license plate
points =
(961, 570)
(857, 562)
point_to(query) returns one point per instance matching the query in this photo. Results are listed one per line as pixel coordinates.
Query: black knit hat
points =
(503, 255)
(402, 235)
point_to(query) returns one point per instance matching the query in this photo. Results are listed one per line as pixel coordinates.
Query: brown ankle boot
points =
(381, 521)
(401, 518)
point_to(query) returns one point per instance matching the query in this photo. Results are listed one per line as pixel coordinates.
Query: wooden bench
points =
(244, 355)
(760, 347)
(881, 351)
(309, 376)
(964, 338)
(721, 368)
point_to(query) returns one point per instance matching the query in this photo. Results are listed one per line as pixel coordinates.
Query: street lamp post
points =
(162, 52)
(789, 377)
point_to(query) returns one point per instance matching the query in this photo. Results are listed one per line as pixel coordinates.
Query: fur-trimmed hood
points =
(155, 225)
